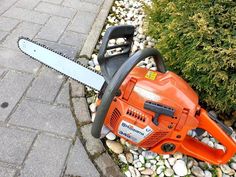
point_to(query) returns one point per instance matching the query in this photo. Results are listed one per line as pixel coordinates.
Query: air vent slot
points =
(153, 139)
(136, 114)
(114, 117)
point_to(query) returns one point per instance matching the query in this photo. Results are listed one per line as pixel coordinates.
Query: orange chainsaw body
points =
(128, 118)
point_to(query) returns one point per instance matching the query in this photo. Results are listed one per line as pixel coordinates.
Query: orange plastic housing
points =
(128, 118)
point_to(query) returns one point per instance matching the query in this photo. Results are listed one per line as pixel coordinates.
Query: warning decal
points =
(151, 75)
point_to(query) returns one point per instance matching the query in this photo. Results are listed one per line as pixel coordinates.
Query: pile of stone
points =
(136, 161)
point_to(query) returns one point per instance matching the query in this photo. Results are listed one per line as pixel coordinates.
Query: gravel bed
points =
(134, 161)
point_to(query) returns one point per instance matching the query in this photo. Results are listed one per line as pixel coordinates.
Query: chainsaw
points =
(150, 109)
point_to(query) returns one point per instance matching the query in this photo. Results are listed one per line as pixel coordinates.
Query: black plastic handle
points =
(158, 109)
(116, 82)
(110, 63)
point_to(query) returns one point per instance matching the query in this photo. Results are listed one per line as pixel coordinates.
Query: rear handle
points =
(195, 148)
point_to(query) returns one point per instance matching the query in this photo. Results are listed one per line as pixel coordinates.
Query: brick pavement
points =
(37, 129)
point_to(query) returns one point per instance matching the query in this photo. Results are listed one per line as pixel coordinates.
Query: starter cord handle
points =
(116, 82)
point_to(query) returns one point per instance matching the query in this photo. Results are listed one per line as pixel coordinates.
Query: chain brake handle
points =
(195, 148)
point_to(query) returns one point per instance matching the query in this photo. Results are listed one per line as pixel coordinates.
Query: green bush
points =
(198, 42)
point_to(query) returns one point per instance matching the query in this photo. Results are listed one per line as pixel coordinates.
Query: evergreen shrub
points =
(198, 42)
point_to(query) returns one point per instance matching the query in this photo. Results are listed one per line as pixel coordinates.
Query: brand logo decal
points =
(130, 127)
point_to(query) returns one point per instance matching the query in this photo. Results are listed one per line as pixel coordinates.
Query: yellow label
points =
(151, 75)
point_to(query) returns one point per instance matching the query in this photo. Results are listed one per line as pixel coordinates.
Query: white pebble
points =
(135, 157)
(162, 174)
(131, 169)
(169, 172)
(138, 165)
(219, 146)
(205, 140)
(233, 165)
(149, 65)
(160, 169)
(120, 41)
(141, 158)
(148, 38)
(153, 68)
(153, 161)
(149, 155)
(122, 158)
(178, 155)
(111, 136)
(95, 61)
(137, 173)
(166, 156)
(210, 143)
(180, 168)
(154, 167)
(122, 141)
(112, 41)
(172, 161)
(197, 171)
(167, 163)
(129, 157)
(160, 162)
(93, 107)
(133, 152)
(141, 168)
(91, 63)
(207, 173)
(97, 68)
(226, 169)
(128, 174)
(148, 165)
(190, 164)
(147, 172)
(114, 146)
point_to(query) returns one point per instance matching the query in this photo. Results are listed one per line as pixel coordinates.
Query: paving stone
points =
(81, 110)
(107, 166)
(94, 146)
(53, 1)
(18, 61)
(26, 4)
(53, 28)
(51, 118)
(27, 15)
(7, 24)
(5, 4)
(65, 49)
(98, 2)
(64, 97)
(94, 34)
(3, 34)
(77, 89)
(12, 87)
(47, 157)
(74, 39)
(46, 85)
(24, 29)
(54, 9)
(7, 172)
(2, 70)
(80, 4)
(14, 144)
(76, 167)
(82, 22)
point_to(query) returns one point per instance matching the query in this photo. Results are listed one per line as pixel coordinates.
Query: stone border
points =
(79, 107)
